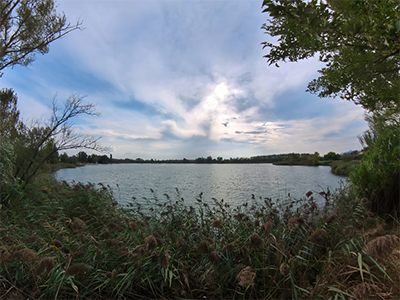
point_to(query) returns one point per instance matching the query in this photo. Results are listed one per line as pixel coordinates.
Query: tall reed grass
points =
(61, 241)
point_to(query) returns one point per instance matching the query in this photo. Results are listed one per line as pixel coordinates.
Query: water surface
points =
(235, 183)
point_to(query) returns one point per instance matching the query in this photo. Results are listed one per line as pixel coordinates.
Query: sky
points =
(183, 79)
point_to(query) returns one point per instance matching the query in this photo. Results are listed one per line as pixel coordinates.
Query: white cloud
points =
(166, 74)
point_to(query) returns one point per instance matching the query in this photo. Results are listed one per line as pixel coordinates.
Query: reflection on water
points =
(235, 183)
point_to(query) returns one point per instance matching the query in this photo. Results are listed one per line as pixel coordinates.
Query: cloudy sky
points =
(176, 79)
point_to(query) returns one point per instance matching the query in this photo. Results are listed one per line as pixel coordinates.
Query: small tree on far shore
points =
(314, 160)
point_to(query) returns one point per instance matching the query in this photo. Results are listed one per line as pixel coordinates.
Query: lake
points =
(235, 183)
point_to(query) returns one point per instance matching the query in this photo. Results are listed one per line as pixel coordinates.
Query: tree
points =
(9, 114)
(332, 156)
(82, 157)
(314, 159)
(37, 144)
(28, 27)
(9, 124)
(359, 41)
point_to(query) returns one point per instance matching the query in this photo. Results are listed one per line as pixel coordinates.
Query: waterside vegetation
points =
(60, 241)
(341, 164)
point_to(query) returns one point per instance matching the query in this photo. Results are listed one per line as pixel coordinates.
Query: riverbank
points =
(338, 167)
(302, 163)
(50, 168)
(81, 244)
(343, 167)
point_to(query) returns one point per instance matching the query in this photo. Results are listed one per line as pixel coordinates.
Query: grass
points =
(338, 167)
(49, 168)
(60, 241)
(343, 167)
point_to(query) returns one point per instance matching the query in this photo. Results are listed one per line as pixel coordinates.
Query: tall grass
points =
(60, 241)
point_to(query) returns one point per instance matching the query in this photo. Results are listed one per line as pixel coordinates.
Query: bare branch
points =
(59, 133)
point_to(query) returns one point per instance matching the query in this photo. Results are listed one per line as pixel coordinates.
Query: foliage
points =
(377, 177)
(37, 144)
(332, 156)
(377, 124)
(28, 27)
(9, 114)
(314, 160)
(7, 163)
(358, 40)
(81, 244)
(343, 167)
(9, 124)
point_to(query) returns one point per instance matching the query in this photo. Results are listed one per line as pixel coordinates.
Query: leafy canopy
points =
(359, 41)
(28, 27)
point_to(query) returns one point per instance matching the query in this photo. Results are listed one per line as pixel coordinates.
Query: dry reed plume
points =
(25, 255)
(78, 224)
(150, 243)
(217, 224)
(317, 236)
(267, 227)
(256, 223)
(181, 244)
(256, 241)
(57, 243)
(5, 255)
(246, 277)
(204, 247)
(382, 246)
(46, 264)
(292, 223)
(133, 226)
(366, 290)
(78, 270)
(164, 259)
(284, 269)
(214, 258)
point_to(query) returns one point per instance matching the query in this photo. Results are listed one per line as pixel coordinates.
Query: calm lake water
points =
(235, 183)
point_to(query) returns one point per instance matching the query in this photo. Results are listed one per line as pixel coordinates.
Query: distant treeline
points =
(289, 158)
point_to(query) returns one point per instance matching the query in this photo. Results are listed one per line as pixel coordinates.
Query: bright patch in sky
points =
(176, 79)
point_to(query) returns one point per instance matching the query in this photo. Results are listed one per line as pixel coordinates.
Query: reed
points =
(82, 244)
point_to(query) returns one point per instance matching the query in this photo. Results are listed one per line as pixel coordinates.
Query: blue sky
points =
(176, 79)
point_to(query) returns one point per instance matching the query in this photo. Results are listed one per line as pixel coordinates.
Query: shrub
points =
(377, 176)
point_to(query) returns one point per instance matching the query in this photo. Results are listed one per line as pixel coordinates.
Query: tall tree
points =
(359, 41)
(28, 27)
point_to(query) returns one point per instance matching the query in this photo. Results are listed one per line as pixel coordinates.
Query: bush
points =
(343, 167)
(377, 176)
(9, 188)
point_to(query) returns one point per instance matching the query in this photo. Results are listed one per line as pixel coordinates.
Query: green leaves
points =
(397, 25)
(28, 27)
(378, 175)
(358, 40)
